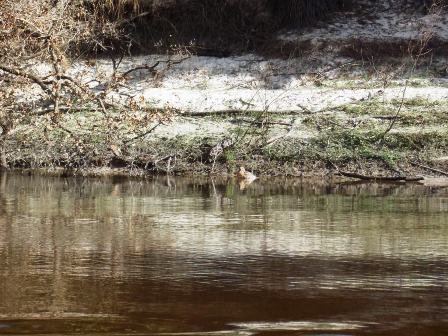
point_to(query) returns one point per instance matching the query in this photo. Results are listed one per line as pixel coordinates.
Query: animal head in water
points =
(241, 173)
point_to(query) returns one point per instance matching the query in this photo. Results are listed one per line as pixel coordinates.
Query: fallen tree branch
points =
(151, 68)
(379, 178)
(143, 67)
(234, 112)
(252, 122)
(434, 170)
(219, 113)
(29, 76)
(64, 109)
(386, 117)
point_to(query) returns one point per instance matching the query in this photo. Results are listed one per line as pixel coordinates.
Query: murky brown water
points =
(188, 257)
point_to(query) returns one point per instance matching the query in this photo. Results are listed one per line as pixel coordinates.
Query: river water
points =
(172, 256)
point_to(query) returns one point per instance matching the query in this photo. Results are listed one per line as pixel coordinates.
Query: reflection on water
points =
(197, 257)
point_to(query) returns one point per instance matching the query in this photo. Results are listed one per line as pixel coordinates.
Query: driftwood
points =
(380, 178)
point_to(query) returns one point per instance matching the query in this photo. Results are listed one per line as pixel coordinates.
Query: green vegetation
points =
(52, 118)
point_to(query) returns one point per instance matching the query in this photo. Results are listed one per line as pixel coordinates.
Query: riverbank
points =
(363, 93)
(210, 115)
(375, 131)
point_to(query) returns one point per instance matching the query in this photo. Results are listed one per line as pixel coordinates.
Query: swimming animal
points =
(242, 174)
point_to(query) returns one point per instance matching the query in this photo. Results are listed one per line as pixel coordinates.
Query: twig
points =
(103, 107)
(279, 137)
(142, 134)
(305, 109)
(338, 107)
(396, 116)
(420, 52)
(151, 68)
(57, 69)
(168, 165)
(124, 21)
(73, 84)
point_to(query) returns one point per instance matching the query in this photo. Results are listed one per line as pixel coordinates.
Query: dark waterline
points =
(191, 257)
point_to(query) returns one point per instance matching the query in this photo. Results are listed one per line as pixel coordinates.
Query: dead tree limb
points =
(151, 68)
(258, 123)
(380, 178)
(143, 67)
(29, 76)
(434, 170)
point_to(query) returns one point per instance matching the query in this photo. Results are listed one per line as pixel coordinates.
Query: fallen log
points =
(434, 170)
(380, 178)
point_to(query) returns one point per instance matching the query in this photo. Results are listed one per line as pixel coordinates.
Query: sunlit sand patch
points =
(299, 325)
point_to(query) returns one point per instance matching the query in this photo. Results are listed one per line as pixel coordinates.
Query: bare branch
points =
(143, 67)
(141, 135)
(29, 76)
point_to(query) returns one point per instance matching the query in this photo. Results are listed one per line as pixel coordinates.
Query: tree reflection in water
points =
(193, 255)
